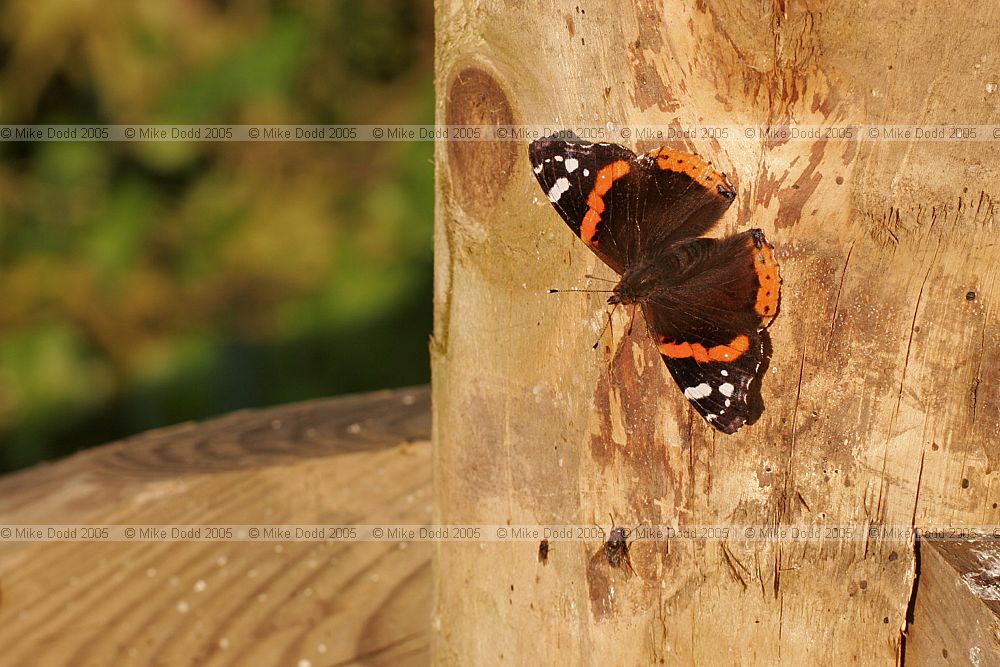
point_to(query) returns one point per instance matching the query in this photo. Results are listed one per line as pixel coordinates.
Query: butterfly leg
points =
(605, 328)
(631, 321)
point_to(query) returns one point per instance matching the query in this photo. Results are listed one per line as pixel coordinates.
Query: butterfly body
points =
(707, 301)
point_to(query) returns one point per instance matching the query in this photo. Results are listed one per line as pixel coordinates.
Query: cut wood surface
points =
(355, 460)
(956, 612)
(881, 401)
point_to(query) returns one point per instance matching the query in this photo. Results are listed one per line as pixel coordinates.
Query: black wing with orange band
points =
(628, 208)
(709, 327)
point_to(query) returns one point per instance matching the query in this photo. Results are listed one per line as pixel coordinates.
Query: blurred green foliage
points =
(144, 284)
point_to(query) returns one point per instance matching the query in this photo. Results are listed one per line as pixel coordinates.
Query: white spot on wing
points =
(559, 158)
(586, 172)
(701, 391)
(561, 186)
(725, 373)
(726, 389)
(538, 169)
(571, 165)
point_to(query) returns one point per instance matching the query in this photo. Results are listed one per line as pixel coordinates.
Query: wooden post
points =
(881, 401)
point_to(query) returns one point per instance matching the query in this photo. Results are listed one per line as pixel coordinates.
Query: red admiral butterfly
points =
(707, 301)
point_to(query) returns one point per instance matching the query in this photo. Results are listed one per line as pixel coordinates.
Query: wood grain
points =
(956, 611)
(356, 460)
(878, 401)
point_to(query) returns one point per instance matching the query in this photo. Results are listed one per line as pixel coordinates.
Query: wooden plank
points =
(356, 460)
(878, 400)
(956, 610)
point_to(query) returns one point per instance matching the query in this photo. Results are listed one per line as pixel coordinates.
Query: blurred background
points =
(143, 284)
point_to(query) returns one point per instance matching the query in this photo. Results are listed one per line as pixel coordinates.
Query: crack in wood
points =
(840, 289)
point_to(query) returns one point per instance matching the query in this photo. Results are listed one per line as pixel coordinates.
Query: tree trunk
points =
(881, 401)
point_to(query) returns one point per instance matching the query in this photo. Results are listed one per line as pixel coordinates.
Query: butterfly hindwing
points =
(709, 326)
(721, 391)
(711, 290)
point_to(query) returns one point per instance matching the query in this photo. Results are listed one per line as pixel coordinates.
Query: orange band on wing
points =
(731, 352)
(769, 279)
(605, 179)
(695, 167)
(596, 202)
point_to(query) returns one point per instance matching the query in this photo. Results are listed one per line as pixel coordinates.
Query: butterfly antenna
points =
(586, 291)
(593, 277)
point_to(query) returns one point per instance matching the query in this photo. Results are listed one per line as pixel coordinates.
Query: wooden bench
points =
(356, 460)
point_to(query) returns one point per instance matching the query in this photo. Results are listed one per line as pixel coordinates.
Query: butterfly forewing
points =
(626, 207)
(591, 185)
